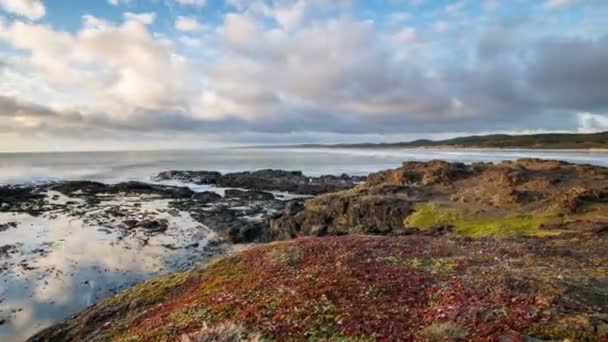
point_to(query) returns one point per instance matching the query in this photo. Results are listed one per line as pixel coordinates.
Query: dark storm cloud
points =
(571, 73)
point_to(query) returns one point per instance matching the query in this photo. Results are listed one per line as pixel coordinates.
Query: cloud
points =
(455, 7)
(307, 68)
(188, 24)
(198, 3)
(116, 68)
(556, 4)
(31, 9)
(572, 73)
(144, 18)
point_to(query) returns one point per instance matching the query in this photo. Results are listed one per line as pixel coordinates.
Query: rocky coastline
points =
(526, 240)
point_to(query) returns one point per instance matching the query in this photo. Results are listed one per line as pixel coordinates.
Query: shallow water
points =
(62, 264)
(119, 166)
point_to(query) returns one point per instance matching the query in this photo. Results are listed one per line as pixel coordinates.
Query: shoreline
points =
(434, 148)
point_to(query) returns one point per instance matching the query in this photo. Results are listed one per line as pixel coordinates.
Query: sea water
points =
(141, 165)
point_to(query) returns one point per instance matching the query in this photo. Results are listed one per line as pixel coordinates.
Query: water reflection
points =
(59, 264)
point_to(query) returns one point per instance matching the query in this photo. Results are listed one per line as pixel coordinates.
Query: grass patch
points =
(446, 331)
(150, 291)
(472, 225)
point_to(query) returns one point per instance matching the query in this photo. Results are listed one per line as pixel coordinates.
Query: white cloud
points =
(116, 68)
(144, 18)
(406, 34)
(555, 4)
(31, 9)
(455, 7)
(187, 24)
(589, 122)
(199, 3)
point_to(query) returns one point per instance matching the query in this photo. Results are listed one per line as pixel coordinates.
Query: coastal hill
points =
(430, 251)
(532, 141)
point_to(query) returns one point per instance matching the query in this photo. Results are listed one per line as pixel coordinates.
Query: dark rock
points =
(600, 229)
(206, 197)
(265, 180)
(154, 226)
(20, 198)
(6, 250)
(232, 227)
(338, 214)
(86, 188)
(7, 226)
(437, 230)
(252, 195)
(195, 177)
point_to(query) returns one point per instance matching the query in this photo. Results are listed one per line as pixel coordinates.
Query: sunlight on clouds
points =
(31, 9)
(340, 67)
(187, 24)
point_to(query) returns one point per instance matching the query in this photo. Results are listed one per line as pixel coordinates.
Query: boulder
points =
(251, 195)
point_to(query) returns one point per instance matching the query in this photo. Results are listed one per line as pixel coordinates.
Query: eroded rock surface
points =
(558, 191)
(266, 180)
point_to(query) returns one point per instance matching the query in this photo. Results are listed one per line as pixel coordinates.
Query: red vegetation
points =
(376, 288)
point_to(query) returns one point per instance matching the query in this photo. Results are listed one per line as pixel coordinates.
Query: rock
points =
(440, 229)
(266, 180)
(570, 200)
(337, 214)
(195, 177)
(600, 229)
(388, 197)
(6, 250)
(232, 227)
(7, 226)
(21, 198)
(154, 226)
(252, 195)
(86, 188)
(206, 197)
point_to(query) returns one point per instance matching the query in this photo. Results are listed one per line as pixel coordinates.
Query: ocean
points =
(111, 167)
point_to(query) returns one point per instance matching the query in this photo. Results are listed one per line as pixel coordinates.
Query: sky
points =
(162, 74)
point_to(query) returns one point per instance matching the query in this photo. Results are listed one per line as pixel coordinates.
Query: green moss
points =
(189, 317)
(433, 265)
(430, 215)
(129, 339)
(149, 292)
(291, 256)
(473, 225)
(444, 331)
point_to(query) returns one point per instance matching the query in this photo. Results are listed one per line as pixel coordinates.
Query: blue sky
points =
(114, 74)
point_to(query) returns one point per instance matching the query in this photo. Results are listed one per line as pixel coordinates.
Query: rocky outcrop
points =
(380, 206)
(266, 180)
(340, 214)
(425, 173)
(18, 198)
(194, 177)
(252, 195)
(87, 188)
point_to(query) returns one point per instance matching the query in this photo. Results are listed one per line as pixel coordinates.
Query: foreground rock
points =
(528, 197)
(266, 180)
(368, 288)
